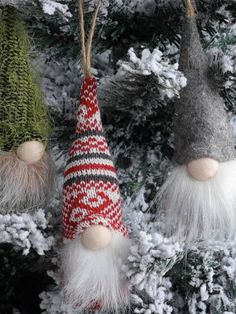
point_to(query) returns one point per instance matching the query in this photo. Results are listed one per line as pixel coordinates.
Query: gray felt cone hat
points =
(201, 126)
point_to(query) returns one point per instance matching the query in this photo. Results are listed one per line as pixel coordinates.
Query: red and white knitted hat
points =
(91, 190)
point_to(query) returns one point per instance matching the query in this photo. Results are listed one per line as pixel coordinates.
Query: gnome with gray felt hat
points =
(199, 196)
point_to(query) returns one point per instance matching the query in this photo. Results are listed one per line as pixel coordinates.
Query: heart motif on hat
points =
(86, 203)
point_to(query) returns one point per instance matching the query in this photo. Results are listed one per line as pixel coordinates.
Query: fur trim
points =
(197, 210)
(23, 186)
(93, 277)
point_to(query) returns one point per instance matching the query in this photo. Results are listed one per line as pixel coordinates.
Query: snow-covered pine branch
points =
(169, 79)
(51, 6)
(150, 259)
(53, 302)
(48, 6)
(26, 231)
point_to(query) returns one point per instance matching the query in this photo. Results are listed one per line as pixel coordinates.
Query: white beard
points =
(197, 210)
(94, 277)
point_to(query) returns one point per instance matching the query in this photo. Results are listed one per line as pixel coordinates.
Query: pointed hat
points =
(91, 189)
(201, 126)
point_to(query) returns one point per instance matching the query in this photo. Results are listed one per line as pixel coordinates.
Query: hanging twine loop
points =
(190, 11)
(86, 49)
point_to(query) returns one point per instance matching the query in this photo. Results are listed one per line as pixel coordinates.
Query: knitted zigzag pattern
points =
(91, 191)
(23, 114)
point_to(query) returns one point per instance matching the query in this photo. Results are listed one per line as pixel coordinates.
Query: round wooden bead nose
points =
(96, 237)
(31, 151)
(203, 169)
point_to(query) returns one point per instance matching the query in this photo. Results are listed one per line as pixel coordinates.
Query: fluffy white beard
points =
(94, 276)
(24, 186)
(197, 210)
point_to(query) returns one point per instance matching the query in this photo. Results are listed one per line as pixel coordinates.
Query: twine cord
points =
(190, 8)
(82, 36)
(86, 50)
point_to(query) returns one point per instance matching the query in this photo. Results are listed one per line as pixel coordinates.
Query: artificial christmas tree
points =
(135, 59)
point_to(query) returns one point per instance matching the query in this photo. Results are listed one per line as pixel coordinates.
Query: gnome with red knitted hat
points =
(95, 237)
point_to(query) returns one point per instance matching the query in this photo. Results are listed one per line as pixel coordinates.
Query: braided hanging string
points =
(190, 8)
(86, 50)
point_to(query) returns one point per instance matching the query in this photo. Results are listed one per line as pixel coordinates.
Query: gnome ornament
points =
(25, 168)
(199, 197)
(94, 235)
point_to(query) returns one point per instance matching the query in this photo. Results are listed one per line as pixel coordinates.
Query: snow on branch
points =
(26, 231)
(150, 259)
(51, 6)
(146, 7)
(169, 79)
(53, 302)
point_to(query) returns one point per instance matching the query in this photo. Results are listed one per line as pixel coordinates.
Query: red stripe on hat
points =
(87, 145)
(98, 140)
(89, 167)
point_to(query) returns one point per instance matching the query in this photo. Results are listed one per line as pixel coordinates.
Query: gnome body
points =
(199, 197)
(95, 237)
(26, 176)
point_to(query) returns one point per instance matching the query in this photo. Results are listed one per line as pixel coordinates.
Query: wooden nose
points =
(96, 237)
(203, 169)
(30, 151)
